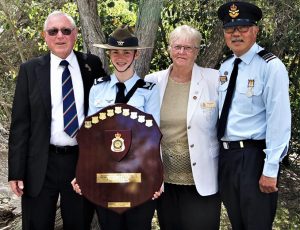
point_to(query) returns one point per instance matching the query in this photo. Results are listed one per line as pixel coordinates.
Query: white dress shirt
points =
(58, 136)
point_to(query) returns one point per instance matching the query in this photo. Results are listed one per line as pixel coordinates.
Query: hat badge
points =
(120, 43)
(233, 12)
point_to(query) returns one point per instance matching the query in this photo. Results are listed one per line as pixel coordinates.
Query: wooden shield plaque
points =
(119, 165)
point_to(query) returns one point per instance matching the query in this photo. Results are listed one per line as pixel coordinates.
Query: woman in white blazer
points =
(189, 114)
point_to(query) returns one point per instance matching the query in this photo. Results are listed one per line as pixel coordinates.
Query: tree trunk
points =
(214, 50)
(146, 29)
(91, 29)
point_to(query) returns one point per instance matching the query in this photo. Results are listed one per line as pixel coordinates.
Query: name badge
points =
(208, 105)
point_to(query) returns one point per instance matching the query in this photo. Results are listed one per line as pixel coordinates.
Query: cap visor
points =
(238, 23)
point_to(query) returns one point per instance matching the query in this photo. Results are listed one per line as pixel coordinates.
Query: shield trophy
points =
(119, 165)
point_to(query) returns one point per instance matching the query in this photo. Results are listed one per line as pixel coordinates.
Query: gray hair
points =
(59, 13)
(185, 32)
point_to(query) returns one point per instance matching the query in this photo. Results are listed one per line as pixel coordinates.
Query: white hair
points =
(185, 32)
(59, 13)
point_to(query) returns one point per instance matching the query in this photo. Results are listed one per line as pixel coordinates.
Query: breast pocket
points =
(137, 101)
(247, 97)
(101, 103)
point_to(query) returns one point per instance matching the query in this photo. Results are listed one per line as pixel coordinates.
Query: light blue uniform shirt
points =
(104, 94)
(260, 109)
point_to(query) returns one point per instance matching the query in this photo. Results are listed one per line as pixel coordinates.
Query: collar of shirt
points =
(248, 57)
(129, 83)
(55, 60)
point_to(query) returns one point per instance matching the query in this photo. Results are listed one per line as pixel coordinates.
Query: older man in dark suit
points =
(50, 103)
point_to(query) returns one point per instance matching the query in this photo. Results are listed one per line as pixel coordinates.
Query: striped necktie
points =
(69, 106)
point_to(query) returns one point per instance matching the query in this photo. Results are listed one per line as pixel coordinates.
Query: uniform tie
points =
(120, 98)
(228, 99)
(69, 106)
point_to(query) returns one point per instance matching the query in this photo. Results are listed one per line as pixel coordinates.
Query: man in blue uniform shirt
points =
(255, 121)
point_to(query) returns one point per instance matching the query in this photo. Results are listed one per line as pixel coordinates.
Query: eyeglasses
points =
(187, 49)
(241, 29)
(64, 31)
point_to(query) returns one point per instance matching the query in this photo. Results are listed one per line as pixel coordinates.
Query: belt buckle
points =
(241, 144)
(225, 145)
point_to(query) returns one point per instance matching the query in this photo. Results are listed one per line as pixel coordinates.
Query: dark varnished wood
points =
(141, 155)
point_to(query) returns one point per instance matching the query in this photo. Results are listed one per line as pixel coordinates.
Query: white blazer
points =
(202, 116)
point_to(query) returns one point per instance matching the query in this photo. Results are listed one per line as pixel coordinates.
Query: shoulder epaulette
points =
(227, 58)
(146, 85)
(101, 79)
(266, 55)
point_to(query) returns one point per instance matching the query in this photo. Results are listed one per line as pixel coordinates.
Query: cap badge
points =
(120, 43)
(233, 12)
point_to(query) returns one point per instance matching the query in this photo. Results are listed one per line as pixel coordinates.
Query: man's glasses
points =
(64, 31)
(241, 29)
(187, 49)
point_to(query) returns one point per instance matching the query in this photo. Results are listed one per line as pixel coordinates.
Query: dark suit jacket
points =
(31, 118)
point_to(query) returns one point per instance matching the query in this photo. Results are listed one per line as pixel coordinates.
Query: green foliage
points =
(115, 13)
(287, 219)
(199, 14)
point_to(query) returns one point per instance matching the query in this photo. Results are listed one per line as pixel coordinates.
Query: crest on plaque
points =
(117, 144)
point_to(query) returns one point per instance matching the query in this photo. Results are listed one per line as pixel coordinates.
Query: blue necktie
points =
(69, 106)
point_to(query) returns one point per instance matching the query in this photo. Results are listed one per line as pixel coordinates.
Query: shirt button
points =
(192, 145)
(194, 163)
(189, 127)
(194, 97)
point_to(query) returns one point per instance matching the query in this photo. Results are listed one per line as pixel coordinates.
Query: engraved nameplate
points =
(119, 178)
